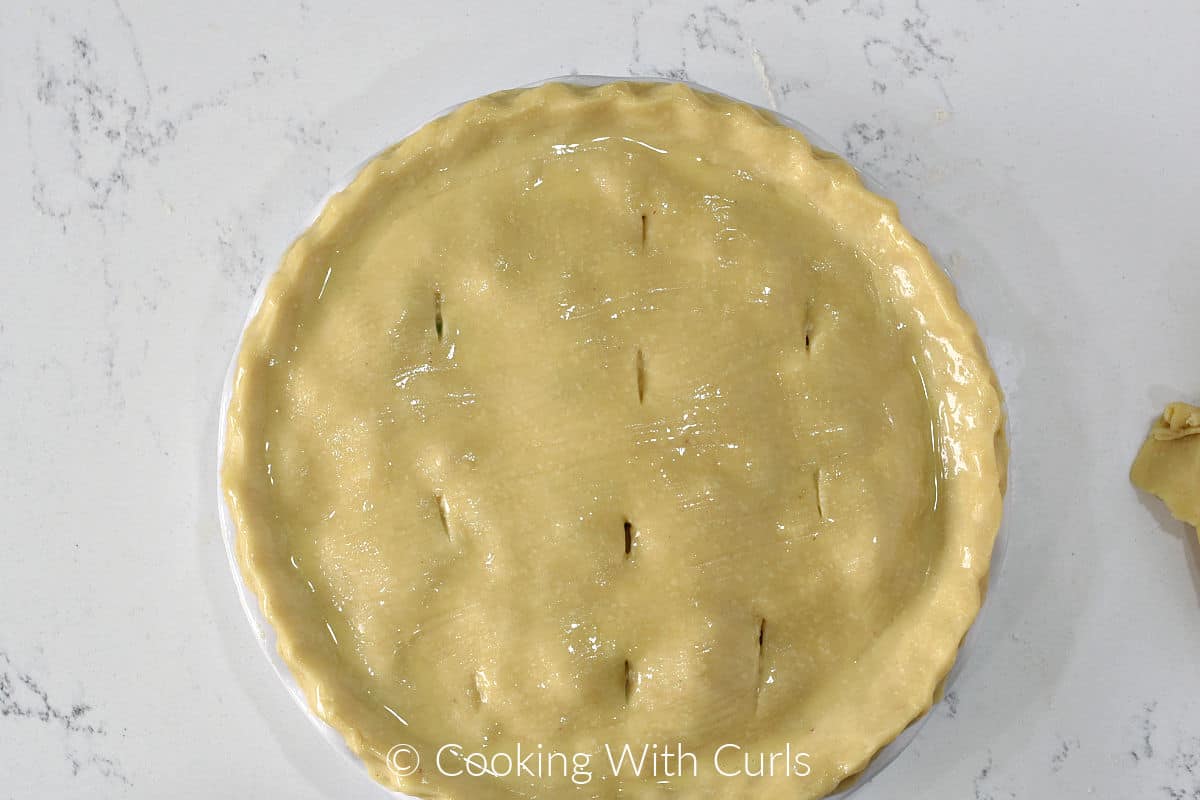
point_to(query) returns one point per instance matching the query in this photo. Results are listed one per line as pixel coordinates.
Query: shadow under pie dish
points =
(606, 415)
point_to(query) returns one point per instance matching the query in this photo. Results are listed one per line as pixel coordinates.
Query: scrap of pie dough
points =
(616, 415)
(1168, 465)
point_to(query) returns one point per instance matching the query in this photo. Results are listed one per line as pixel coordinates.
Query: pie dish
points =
(613, 415)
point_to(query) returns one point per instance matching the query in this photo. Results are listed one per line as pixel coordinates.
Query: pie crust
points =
(614, 415)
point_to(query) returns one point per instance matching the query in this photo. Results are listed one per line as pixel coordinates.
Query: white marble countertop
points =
(158, 156)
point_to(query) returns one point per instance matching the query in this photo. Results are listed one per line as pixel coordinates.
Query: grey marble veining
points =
(23, 701)
(159, 157)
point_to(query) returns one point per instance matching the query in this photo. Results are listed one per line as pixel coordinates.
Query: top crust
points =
(588, 416)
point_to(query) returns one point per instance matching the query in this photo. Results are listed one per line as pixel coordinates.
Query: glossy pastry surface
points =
(613, 415)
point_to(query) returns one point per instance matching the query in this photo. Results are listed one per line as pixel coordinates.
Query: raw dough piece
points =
(617, 415)
(1168, 465)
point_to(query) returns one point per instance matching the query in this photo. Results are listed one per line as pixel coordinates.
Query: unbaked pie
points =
(594, 416)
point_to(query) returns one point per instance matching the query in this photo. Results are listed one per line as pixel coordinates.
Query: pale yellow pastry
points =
(607, 416)
(1168, 465)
